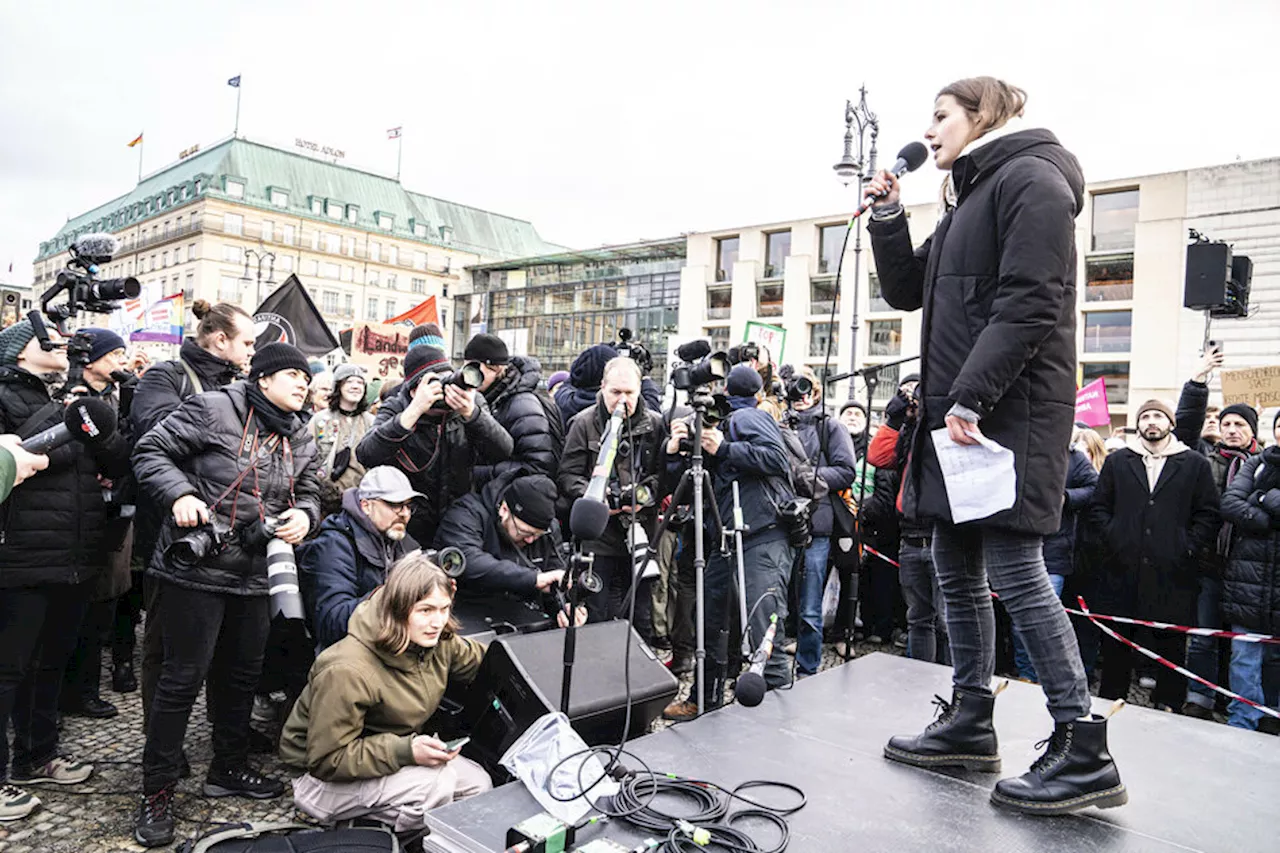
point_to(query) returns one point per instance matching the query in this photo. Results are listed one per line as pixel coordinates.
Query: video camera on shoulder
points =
(628, 346)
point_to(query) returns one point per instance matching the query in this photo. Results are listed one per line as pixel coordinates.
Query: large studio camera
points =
(80, 282)
(698, 366)
(468, 378)
(628, 346)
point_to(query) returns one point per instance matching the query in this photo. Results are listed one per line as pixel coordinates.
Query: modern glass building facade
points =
(554, 306)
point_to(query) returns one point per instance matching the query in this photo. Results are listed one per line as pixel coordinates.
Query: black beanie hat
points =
(1242, 410)
(423, 359)
(101, 342)
(743, 381)
(910, 377)
(276, 357)
(532, 499)
(853, 404)
(489, 349)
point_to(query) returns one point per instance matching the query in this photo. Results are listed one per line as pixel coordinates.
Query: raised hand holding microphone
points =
(883, 190)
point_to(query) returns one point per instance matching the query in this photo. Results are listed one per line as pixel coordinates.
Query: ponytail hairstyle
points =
(410, 580)
(216, 318)
(989, 102)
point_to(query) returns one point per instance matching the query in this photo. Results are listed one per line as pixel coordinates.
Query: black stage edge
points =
(1193, 786)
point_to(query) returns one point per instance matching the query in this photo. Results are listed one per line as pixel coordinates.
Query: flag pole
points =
(236, 131)
(399, 151)
(141, 145)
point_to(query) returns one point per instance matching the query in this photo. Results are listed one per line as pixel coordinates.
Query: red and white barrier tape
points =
(873, 552)
(1173, 666)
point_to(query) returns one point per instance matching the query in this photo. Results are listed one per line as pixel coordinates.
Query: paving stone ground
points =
(97, 816)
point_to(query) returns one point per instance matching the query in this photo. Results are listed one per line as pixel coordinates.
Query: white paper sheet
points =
(979, 478)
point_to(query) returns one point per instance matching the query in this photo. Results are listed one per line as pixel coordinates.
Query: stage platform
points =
(1193, 785)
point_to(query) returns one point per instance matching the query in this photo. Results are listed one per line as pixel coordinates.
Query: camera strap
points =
(252, 452)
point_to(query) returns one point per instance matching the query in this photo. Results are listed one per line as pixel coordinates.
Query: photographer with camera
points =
(435, 427)
(512, 388)
(337, 430)
(236, 467)
(746, 448)
(827, 443)
(51, 533)
(633, 483)
(511, 540)
(757, 356)
(353, 551)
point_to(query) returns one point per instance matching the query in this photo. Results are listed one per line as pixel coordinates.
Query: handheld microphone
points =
(750, 687)
(910, 158)
(88, 420)
(590, 514)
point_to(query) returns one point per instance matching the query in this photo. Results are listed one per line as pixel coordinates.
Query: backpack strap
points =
(191, 377)
(36, 419)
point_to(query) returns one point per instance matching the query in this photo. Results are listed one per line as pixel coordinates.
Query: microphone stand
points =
(740, 527)
(580, 575)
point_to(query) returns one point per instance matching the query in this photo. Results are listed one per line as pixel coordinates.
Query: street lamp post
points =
(862, 168)
(259, 257)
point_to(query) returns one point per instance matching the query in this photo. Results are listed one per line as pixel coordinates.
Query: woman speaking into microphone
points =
(997, 282)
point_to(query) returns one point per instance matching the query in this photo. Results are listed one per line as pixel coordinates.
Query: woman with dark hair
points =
(337, 430)
(358, 727)
(996, 281)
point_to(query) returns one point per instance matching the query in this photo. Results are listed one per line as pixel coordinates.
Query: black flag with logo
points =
(289, 316)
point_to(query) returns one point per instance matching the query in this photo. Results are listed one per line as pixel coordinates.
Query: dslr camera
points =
(717, 409)
(628, 346)
(207, 540)
(622, 497)
(468, 377)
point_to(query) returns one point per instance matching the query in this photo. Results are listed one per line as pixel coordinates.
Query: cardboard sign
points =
(1091, 404)
(380, 348)
(1257, 386)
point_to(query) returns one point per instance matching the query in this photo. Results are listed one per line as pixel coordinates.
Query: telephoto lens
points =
(282, 580)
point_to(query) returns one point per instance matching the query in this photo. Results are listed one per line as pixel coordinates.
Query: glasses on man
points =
(405, 508)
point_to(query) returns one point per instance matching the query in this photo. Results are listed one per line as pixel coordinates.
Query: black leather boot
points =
(963, 735)
(1075, 772)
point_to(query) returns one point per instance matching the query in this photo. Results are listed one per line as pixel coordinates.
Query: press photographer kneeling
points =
(226, 463)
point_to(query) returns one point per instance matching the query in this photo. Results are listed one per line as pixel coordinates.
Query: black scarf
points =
(271, 417)
(214, 372)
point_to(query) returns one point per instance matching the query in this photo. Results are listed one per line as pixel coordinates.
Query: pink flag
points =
(1091, 404)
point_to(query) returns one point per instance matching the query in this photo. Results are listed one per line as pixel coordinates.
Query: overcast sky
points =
(605, 122)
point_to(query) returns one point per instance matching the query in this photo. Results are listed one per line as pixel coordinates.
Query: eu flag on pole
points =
(234, 82)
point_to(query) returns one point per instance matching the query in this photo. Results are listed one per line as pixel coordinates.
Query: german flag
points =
(137, 141)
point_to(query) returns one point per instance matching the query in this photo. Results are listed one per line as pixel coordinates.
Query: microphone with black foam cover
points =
(590, 514)
(910, 158)
(694, 350)
(88, 420)
(750, 687)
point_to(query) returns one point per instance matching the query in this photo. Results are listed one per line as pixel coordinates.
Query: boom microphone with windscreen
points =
(910, 158)
(88, 420)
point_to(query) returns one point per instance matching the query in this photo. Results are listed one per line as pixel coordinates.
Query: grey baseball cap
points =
(387, 484)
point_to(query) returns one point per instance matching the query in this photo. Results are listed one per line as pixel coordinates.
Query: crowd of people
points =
(233, 455)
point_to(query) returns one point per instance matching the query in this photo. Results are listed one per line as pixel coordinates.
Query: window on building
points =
(719, 337)
(726, 257)
(886, 388)
(189, 289)
(333, 244)
(279, 198)
(348, 273)
(315, 240)
(385, 221)
(313, 268)
(235, 189)
(232, 254)
(875, 296)
(391, 281)
(419, 260)
(777, 246)
(164, 260)
(1107, 331)
(1114, 218)
(191, 251)
(719, 301)
(819, 336)
(769, 299)
(1108, 279)
(329, 302)
(349, 246)
(375, 251)
(884, 337)
(229, 289)
(348, 305)
(335, 209)
(268, 231)
(353, 213)
(177, 225)
(371, 277)
(232, 223)
(830, 241)
(418, 285)
(287, 236)
(317, 206)
(167, 223)
(390, 309)
(1116, 376)
(393, 255)
(822, 292)
(285, 263)
(372, 309)
(330, 270)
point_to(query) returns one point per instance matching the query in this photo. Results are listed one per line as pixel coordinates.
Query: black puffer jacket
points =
(997, 281)
(834, 464)
(196, 451)
(166, 385)
(1060, 548)
(51, 525)
(438, 455)
(514, 402)
(1251, 586)
(648, 433)
(585, 376)
(494, 564)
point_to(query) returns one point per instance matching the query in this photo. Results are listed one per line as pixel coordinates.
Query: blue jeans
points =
(809, 630)
(1202, 652)
(1020, 657)
(1247, 661)
(926, 613)
(973, 560)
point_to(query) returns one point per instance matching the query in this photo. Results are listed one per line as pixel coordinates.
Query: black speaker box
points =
(520, 680)
(1208, 271)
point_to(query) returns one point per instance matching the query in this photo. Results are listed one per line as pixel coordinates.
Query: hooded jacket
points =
(834, 464)
(342, 566)
(362, 706)
(438, 455)
(514, 402)
(198, 451)
(1150, 539)
(997, 284)
(51, 526)
(1251, 584)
